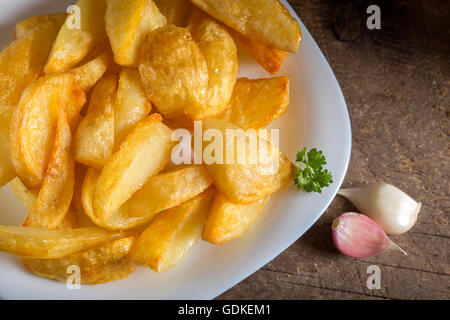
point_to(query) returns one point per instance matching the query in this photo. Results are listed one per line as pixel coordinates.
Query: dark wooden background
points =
(396, 83)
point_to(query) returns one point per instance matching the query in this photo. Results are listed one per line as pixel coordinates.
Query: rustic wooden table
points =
(396, 84)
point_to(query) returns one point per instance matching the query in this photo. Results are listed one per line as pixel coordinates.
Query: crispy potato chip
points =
(267, 21)
(89, 73)
(228, 220)
(143, 154)
(174, 72)
(269, 58)
(176, 11)
(170, 237)
(131, 106)
(22, 61)
(56, 192)
(245, 167)
(52, 244)
(33, 23)
(74, 42)
(220, 52)
(7, 172)
(97, 265)
(127, 24)
(160, 193)
(94, 140)
(28, 198)
(33, 124)
(256, 103)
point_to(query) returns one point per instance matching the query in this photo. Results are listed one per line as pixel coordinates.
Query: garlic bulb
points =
(358, 236)
(391, 208)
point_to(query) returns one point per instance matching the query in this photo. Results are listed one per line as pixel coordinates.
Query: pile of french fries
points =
(87, 117)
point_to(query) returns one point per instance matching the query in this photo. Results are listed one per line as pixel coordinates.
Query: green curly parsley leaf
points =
(311, 177)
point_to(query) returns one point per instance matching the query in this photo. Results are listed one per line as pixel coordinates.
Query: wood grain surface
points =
(396, 83)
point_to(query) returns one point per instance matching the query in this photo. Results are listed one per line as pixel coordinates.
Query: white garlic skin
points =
(391, 208)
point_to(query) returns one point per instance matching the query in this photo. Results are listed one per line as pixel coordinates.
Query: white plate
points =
(317, 117)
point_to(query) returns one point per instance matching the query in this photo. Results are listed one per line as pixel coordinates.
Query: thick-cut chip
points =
(89, 73)
(265, 20)
(33, 125)
(52, 244)
(245, 166)
(143, 154)
(56, 192)
(176, 11)
(228, 220)
(170, 237)
(220, 52)
(256, 103)
(7, 172)
(94, 140)
(127, 24)
(160, 193)
(174, 72)
(22, 61)
(269, 58)
(33, 23)
(28, 199)
(26, 196)
(131, 105)
(74, 41)
(97, 265)
(168, 190)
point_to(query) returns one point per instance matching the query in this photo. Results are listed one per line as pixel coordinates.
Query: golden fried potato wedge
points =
(22, 61)
(246, 167)
(143, 154)
(161, 192)
(7, 172)
(220, 52)
(56, 192)
(73, 44)
(89, 73)
(38, 108)
(174, 72)
(267, 21)
(131, 106)
(170, 237)
(257, 102)
(127, 23)
(28, 198)
(94, 140)
(97, 265)
(52, 244)
(269, 58)
(228, 220)
(168, 190)
(175, 11)
(118, 221)
(33, 23)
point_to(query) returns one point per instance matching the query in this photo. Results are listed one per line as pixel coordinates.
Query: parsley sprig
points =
(311, 176)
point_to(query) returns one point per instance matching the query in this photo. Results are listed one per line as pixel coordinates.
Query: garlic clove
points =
(391, 208)
(358, 236)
